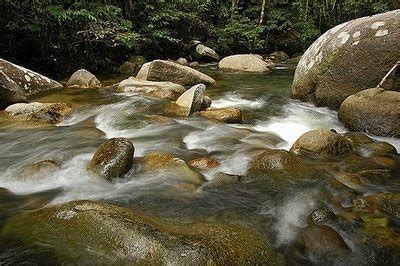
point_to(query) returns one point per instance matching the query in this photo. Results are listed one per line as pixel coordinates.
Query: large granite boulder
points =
(31, 82)
(199, 51)
(86, 232)
(165, 90)
(245, 63)
(10, 92)
(113, 158)
(83, 79)
(375, 111)
(161, 70)
(348, 58)
(322, 142)
(38, 113)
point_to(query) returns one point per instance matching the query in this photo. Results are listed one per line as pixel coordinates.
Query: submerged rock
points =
(204, 163)
(10, 92)
(387, 202)
(113, 158)
(322, 142)
(83, 79)
(165, 90)
(179, 174)
(192, 99)
(245, 62)
(90, 232)
(225, 115)
(161, 70)
(35, 112)
(31, 82)
(375, 111)
(39, 170)
(334, 66)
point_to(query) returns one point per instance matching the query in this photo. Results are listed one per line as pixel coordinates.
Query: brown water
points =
(277, 209)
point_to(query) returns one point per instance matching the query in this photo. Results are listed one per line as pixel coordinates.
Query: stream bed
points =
(277, 208)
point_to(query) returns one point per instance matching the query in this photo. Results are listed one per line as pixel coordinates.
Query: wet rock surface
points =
(246, 63)
(225, 115)
(83, 79)
(38, 113)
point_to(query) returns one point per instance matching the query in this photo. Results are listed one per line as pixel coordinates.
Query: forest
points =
(59, 36)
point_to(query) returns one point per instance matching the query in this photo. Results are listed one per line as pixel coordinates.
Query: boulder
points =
(375, 111)
(278, 56)
(113, 158)
(357, 138)
(182, 61)
(192, 99)
(206, 103)
(10, 92)
(322, 142)
(244, 62)
(31, 82)
(321, 243)
(225, 115)
(204, 163)
(348, 58)
(180, 175)
(127, 68)
(83, 79)
(39, 170)
(138, 60)
(276, 160)
(35, 112)
(165, 90)
(86, 232)
(194, 64)
(201, 52)
(161, 70)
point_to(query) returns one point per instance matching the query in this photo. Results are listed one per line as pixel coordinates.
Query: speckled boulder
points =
(348, 58)
(38, 113)
(10, 92)
(82, 232)
(375, 111)
(322, 142)
(113, 158)
(31, 82)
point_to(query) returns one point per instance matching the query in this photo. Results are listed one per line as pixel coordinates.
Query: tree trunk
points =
(262, 15)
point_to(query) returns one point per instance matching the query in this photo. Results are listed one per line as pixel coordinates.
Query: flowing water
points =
(272, 120)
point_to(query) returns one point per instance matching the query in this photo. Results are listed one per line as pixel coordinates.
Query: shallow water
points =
(272, 120)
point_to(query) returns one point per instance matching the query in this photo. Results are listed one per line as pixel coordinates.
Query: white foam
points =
(235, 100)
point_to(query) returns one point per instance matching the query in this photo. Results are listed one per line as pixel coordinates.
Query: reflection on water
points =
(272, 120)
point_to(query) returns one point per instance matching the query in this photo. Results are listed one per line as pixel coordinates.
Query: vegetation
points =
(59, 36)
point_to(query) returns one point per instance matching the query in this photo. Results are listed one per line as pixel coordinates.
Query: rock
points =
(83, 79)
(31, 82)
(201, 52)
(204, 163)
(321, 243)
(387, 202)
(35, 112)
(244, 62)
(159, 119)
(206, 103)
(194, 64)
(377, 149)
(374, 111)
(138, 60)
(39, 170)
(81, 232)
(192, 99)
(113, 158)
(334, 66)
(322, 142)
(127, 68)
(357, 138)
(160, 70)
(225, 115)
(10, 92)
(280, 160)
(321, 216)
(182, 61)
(165, 90)
(278, 56)
(180, 175)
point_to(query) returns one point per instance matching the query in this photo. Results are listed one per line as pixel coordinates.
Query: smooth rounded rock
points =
(224, 115)
(245, 63)
(83, 79)
(38, 113)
